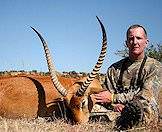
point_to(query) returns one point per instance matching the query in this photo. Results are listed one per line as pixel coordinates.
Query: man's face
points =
(136, 42)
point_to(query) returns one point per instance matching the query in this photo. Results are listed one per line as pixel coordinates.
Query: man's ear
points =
(147, 41)
(126, 43)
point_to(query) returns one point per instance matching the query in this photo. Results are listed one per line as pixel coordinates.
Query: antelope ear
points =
(71, 92)
(67, 99)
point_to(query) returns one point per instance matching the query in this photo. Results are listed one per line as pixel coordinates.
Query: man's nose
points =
(135, 40)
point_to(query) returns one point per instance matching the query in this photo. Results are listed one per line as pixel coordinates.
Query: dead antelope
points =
(31, 97)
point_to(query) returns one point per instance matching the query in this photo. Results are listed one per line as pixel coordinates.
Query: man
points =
(133, 84)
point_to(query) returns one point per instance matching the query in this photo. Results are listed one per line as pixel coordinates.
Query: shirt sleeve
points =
(111, 85)
(149, 91)
(148, 96)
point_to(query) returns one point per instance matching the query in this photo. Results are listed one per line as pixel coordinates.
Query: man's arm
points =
(144, 105)
(151, 87)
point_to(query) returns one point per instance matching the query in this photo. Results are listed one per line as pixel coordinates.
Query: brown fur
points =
(32, 96)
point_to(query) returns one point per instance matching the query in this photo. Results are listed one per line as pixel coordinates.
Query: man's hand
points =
(106, 97)
(118, 107)
(103, 97)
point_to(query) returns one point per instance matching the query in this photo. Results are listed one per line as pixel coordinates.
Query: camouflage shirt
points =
(123, 80)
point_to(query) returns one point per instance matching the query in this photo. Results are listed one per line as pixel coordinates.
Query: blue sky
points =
(71, 29)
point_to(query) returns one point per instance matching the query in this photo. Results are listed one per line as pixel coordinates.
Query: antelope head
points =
(77, 96)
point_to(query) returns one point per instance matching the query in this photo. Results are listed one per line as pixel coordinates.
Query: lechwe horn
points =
(51, 67)
(98, 65)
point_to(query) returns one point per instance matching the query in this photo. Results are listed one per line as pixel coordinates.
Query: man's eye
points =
(138, 37)
(130, 39)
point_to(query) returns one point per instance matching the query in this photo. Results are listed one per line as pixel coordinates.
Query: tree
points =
(154, 51)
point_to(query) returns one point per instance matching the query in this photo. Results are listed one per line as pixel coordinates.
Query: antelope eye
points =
(84, 103)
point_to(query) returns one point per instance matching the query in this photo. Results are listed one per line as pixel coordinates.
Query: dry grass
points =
(41, 125)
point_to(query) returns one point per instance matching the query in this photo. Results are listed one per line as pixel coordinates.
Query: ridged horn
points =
(51, 67)
(98, 65)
